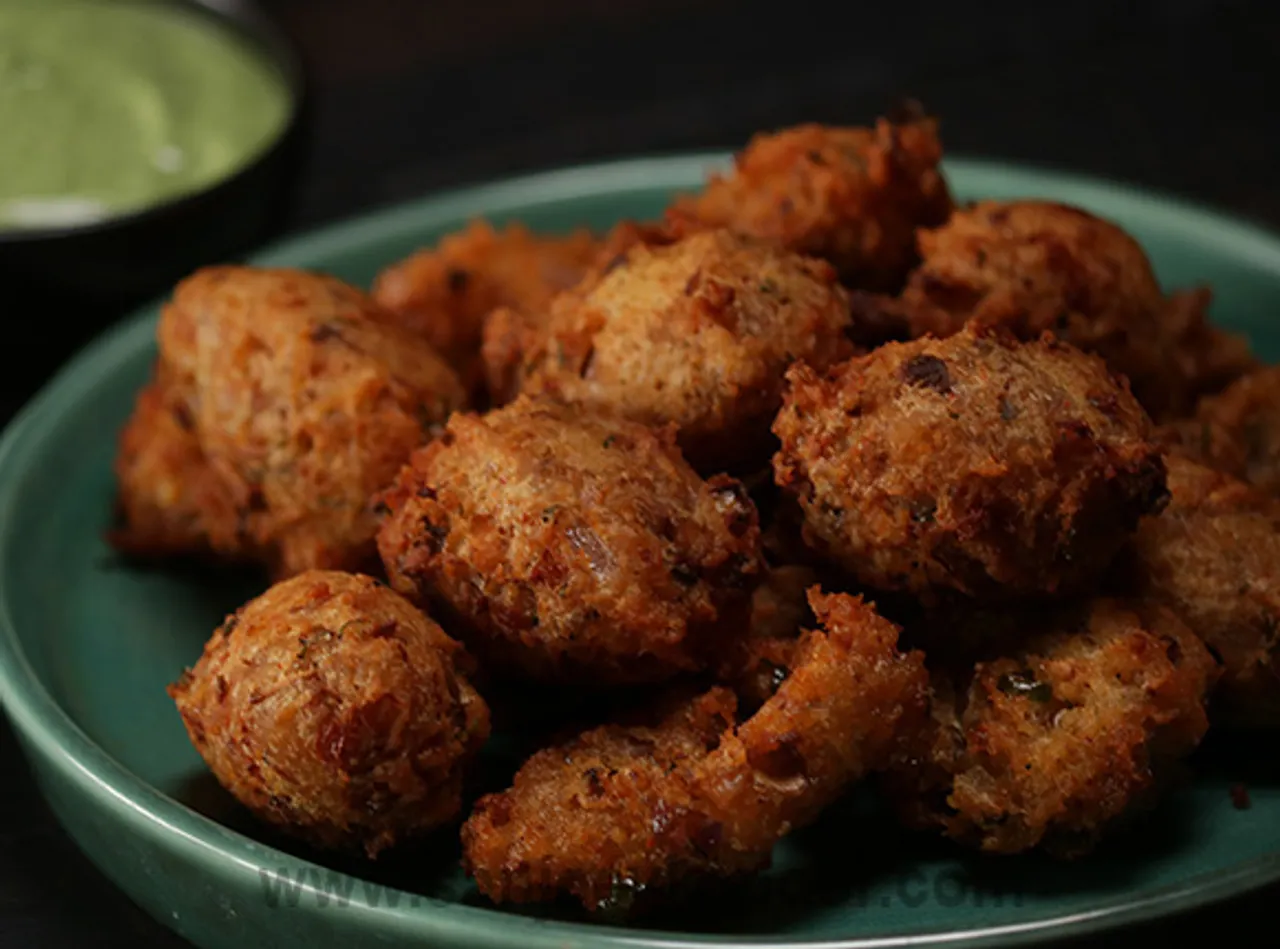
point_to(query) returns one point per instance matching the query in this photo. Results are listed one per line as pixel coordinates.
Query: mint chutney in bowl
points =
(143, 138)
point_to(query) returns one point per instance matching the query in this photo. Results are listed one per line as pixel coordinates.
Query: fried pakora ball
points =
(1037, 266)
(623, 810)
(512, 333)
(1213, 558)
(1238, 430)
(302, 397)
(444, 293)
(976, 463)
(852, 196)
(565, 546)
(332, 708)
(1049, 745)
(697, 332)
(170, 501)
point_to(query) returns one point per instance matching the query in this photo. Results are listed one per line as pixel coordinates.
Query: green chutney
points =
(109, 106)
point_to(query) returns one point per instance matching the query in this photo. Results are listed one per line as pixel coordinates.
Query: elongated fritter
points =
(853, 196)
(334, 709)
(444, 293)
(565, 546)
(1037, 266)
(1055, 741)
(286, 399)
(623, 810)
(976, 463)
(1213, 557)
(1237, 431)
(697, 333)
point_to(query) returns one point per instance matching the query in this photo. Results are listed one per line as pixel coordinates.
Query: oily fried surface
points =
(1238, 430)
(1213, 558)
(444, 293)
(697, 332)
(976, 463)
(1037, 266)
(622, 810)
(853, 196)
(1049, 744)
(755, 664)
(610, 813)
(303, 399)
(170, 501)
(571, 546)
(334, 709)
(513, 333)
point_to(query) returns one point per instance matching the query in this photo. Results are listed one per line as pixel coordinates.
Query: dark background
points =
(1180, 95)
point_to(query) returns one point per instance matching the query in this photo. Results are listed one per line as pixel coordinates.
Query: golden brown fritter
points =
(755, 664)
(976, 463)
(513, 333)
(1237, 431)
(1213, 557)
(170, 500)
(624, 810)
(1049, 745)
(1037, 266)
(332, 708)
(444, 293)
(570, 546)
(853, 196)
(698, 333)
(304, 399)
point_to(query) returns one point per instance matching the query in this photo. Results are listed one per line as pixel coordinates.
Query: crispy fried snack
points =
(334, 709)
(303, 399)
(1237, 431)
(170, 501)
(1036, 266)
(623, 810)
(853, 196)
(564, 546)
(698, 333)
(444, 293)
(976, 463)
(755, 665)
(1213, 557)
(513, 333)
(1050, 744)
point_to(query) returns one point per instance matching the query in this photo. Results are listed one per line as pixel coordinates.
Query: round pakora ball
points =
(444, 293)
(170, 501)
(564, 546)
(976, 463)
(697, 332)
(334, 709)
(1237, 431)
(304, 399)
(513, 331)
(1037, 266)
(1213, 557)
(852, 196)
(1049, 744)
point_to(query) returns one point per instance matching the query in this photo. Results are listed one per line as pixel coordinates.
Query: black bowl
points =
(60, 286)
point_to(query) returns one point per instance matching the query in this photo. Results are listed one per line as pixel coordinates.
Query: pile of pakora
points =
(834, 479)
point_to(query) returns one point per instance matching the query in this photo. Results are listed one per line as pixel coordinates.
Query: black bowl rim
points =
(247, 18)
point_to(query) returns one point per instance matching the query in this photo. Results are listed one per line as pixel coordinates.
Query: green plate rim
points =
(47, 729)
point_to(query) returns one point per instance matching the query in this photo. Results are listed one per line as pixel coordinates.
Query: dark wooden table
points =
(412, 96)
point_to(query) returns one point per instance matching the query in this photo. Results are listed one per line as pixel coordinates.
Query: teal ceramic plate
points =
(87, 647)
